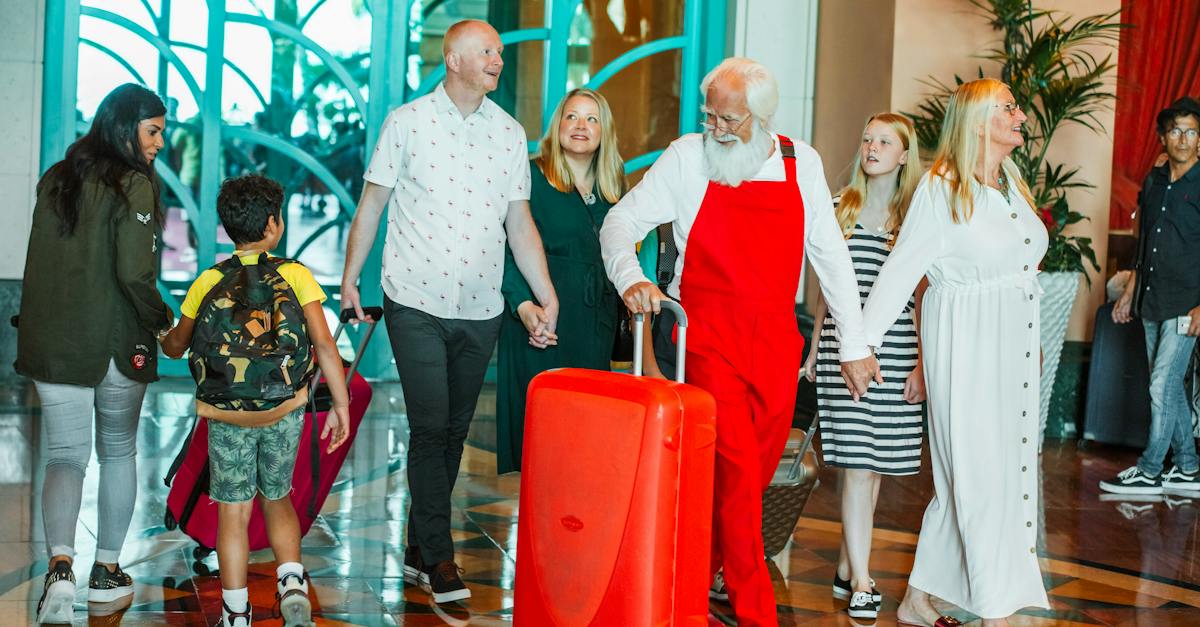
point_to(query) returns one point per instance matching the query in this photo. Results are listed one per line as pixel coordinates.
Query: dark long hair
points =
(109, 152)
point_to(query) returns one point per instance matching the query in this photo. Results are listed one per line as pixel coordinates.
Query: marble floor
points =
(1104, 562)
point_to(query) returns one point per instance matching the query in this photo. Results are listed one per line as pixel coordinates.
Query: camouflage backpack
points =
(250, 350)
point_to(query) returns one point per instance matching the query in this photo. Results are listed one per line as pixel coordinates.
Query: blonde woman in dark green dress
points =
(578, 176)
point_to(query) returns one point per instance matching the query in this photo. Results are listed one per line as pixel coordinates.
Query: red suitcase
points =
(188, 505)
(615, 518)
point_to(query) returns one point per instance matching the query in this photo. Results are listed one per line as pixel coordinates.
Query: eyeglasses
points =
(1009, 108)
(1177, 132)
(728, 123)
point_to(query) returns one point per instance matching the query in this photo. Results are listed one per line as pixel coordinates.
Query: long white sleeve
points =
(827, 251)
(654, 201)
(920, 243)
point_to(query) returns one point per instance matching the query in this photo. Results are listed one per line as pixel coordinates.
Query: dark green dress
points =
(587, 317)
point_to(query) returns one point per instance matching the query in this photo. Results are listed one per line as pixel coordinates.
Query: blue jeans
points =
(1170, 412)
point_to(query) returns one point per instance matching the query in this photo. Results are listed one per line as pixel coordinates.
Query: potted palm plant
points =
(1047, 59)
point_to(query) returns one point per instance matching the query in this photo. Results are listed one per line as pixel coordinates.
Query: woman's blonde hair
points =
(960, 147)
(607, 165)
(854, 195)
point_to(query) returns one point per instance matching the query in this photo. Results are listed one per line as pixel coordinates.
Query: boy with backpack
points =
(253, 323)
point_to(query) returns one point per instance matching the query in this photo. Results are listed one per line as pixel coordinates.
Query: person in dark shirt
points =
(1165, 294)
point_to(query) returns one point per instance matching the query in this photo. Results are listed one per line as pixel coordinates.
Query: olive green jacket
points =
(92, 295)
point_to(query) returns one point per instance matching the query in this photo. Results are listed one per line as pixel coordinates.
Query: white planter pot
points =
(1060, 289)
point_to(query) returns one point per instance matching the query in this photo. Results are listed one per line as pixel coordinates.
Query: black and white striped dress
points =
(881, 432)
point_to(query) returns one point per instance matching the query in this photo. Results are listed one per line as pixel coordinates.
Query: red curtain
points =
(1159, 62)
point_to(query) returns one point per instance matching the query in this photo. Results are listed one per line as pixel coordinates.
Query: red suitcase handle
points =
(680, 344)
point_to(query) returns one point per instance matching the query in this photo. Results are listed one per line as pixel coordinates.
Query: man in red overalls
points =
(745, 204)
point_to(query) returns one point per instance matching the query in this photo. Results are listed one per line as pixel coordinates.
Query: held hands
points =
(337, 423)
(914, 386)
(539, 321)
(643, 297)
(859, 373)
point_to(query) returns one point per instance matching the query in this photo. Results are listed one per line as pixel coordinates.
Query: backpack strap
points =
(667, 254)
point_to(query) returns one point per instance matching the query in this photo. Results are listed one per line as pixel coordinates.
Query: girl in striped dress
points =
(881, 433)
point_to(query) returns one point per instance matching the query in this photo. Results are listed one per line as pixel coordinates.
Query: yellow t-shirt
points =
(299, 277)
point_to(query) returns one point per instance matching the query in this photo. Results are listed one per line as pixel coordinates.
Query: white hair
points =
(730, 161)
(762, 92)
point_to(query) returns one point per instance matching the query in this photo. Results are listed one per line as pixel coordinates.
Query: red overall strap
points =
(747, 243)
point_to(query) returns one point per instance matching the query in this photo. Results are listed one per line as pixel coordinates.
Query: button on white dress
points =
(980, 348)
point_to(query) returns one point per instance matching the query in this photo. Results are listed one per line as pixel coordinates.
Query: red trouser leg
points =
(738, 487)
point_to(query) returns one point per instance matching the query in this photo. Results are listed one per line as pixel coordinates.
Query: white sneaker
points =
(57, 605)
(230, 618)
(294, 606)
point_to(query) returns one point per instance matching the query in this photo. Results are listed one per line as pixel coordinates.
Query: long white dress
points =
(980, 349)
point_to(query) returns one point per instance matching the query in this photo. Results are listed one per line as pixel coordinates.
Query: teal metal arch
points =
(152, 39)
(339, 70)
(701, 45)
(115, 57)
(258, 95)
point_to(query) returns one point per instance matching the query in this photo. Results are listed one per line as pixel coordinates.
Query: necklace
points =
(1002, 181)
(589, 198)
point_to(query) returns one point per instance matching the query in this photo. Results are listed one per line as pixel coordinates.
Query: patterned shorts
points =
(244, 461)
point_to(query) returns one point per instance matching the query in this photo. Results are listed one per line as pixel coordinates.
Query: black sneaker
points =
(1176, 479)
(841, 589)
(718, 592)
(414, 567)
(106, 587)
(863, 605)
(444, 583)
(57, 605)
(1133, 481)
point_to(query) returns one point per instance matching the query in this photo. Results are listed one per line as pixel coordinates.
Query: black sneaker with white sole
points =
(1133, 481)
(841, 589)
(862, 605)
(414, 567)
(106, 586)
(445, 584)
(57, 605)
(1176, 479)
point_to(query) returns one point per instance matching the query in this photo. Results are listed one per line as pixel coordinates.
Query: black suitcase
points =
(1118, 390)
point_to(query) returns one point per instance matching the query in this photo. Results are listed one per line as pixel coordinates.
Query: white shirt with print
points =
(452, 179)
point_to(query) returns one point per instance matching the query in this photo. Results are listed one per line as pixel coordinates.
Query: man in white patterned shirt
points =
(452, 168)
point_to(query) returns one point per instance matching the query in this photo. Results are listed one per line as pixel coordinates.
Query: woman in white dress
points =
(971, 229)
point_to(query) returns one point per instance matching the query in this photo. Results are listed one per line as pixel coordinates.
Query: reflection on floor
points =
(1105, 562)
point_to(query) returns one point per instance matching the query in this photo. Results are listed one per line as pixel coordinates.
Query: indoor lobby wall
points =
(961, 34)
(21, 44)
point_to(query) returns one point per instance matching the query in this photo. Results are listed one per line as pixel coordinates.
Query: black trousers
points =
(441, 364)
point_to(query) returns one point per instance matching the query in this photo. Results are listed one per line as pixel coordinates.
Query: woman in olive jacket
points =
(90, 314)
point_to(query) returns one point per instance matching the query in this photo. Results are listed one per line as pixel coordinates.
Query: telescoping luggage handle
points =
(680, 345)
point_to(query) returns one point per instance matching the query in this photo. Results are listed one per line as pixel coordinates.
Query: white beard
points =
(730, 163)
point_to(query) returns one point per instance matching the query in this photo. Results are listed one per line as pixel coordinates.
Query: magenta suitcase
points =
(190, 509)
